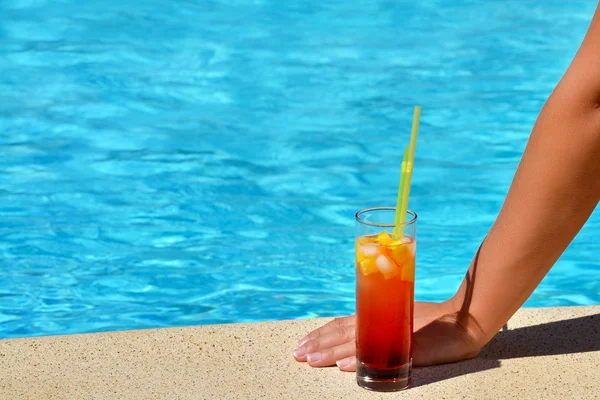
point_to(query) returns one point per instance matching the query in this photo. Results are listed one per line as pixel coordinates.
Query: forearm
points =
(554, 191)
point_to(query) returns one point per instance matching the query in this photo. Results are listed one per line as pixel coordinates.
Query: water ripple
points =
(180, 163)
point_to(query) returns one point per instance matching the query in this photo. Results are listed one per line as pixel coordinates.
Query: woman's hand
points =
(333, 343)
(439, 338)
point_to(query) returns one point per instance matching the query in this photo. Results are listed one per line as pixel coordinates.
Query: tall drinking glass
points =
(385, 276)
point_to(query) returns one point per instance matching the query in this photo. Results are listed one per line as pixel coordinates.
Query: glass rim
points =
(359, 219)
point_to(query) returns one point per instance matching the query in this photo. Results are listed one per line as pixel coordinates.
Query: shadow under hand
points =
(578, 335)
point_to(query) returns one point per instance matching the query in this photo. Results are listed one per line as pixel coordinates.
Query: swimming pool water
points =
(185, 162)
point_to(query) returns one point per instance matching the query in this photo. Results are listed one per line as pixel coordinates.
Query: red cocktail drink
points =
(385, 271)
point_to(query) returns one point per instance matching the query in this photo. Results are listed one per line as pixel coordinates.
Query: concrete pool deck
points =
(550, 353)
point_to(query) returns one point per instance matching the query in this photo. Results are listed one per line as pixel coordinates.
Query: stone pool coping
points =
(550, 353)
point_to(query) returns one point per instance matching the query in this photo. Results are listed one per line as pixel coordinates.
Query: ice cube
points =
(412, 247)
(383, 264)
(369, 250)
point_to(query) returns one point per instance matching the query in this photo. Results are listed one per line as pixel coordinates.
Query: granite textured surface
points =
(550, 353)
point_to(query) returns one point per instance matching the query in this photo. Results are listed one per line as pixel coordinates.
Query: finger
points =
(327, 357)
(328, 327)
(347, 364)
(336, 337)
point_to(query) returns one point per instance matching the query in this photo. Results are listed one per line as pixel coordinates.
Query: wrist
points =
(475, 336)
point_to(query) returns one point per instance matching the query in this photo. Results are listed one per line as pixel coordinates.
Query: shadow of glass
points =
(426, 375)
(578, 335)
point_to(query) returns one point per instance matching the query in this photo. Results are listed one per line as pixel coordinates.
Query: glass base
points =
(384, 380)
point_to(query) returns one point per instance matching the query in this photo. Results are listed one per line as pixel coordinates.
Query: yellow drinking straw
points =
(405, 177)
(397, 219)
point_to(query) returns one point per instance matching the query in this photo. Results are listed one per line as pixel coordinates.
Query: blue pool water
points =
(184, 162)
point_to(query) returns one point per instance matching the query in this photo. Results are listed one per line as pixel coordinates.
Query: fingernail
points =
(343, 363)
(313, 357)
(303, 340)
(300, 351)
